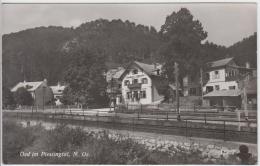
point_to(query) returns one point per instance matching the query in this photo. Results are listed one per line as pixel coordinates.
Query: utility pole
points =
(245, 96)
(177, 89)
(201, 84)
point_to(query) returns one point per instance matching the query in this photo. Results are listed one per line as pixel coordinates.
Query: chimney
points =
(45, 81)
(247, 65)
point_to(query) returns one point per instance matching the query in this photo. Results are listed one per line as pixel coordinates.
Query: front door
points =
(136, 97)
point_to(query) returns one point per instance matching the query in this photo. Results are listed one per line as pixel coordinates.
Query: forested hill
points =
(43, 52)
(245, 51)
(39, 53)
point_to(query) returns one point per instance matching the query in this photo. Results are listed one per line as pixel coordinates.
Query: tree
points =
(8, 99)
(23, 97)
(85, 79)
(182, 36)
(245, 51)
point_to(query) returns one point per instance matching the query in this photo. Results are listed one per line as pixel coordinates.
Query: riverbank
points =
(204, 150)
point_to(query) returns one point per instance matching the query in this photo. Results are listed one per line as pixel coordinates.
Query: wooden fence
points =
(189, 126)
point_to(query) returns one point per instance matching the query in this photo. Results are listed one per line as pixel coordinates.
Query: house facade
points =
(114, 85)
(143, 84)
(221, 83)
(191, 86)
(40, 91)
(221, 75)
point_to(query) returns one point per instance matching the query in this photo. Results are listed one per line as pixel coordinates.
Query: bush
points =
(62, 137)
(23, 97)
(100, 147)
(15, 139)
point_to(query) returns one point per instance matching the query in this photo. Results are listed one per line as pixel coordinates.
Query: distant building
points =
(221, 82)
(248, 86)
(191, 86)
(143, 84)
(114, 85)
(40, 91)
(58, 92)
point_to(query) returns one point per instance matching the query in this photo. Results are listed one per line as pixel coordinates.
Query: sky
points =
(226, 23)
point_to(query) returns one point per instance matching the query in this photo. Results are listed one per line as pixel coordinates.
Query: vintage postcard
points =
(129, 83)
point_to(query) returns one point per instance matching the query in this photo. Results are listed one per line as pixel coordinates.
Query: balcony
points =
(134, 86)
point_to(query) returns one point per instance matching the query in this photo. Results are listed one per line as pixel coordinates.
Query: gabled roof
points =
(224, 93)
(114, 73)
(58, 89)
(219, 63)
(30, 86)
(149, 69)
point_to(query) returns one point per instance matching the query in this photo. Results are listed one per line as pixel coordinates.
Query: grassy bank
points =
(66, 145)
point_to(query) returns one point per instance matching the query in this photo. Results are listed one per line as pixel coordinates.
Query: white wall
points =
(144, 87)
(222, 85)
(222, 75)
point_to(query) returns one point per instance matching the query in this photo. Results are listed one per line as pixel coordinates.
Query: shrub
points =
(15, 139)
(23, 97)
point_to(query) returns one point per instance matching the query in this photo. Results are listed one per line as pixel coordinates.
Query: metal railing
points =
(200, 126)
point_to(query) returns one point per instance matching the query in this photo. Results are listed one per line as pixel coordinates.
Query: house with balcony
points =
(143, 84)
(221, 83)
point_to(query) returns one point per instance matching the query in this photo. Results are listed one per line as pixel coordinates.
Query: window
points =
(207, 76)
(192, 91)
(143, 94)
(158, 71)
(135, 81)
(232, 87)
(144, 80)
(28, 87)
(216, 75)
(126, 82)
(135, 71)
(216, 87)
(128, 95)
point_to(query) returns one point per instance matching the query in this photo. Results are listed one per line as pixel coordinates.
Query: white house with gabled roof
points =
(143, 84)
(40, 91)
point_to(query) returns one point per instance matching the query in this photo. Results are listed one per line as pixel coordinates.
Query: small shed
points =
(225, 98)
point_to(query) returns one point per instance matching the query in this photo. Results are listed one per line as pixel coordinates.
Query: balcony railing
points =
(134, 85)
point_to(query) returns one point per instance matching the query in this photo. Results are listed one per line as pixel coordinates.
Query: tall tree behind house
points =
(182, 36)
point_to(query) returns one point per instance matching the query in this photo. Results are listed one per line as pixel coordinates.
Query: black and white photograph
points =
(148, 83)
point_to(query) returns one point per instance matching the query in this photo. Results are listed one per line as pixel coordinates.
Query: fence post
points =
(32, 113)
(238, 119)
(97, 115)
(205, 118)
(133, 124)
(141, 108)
(138, 115)
(167, 116)
(127, 107)
(186, 127)
(224, 130)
